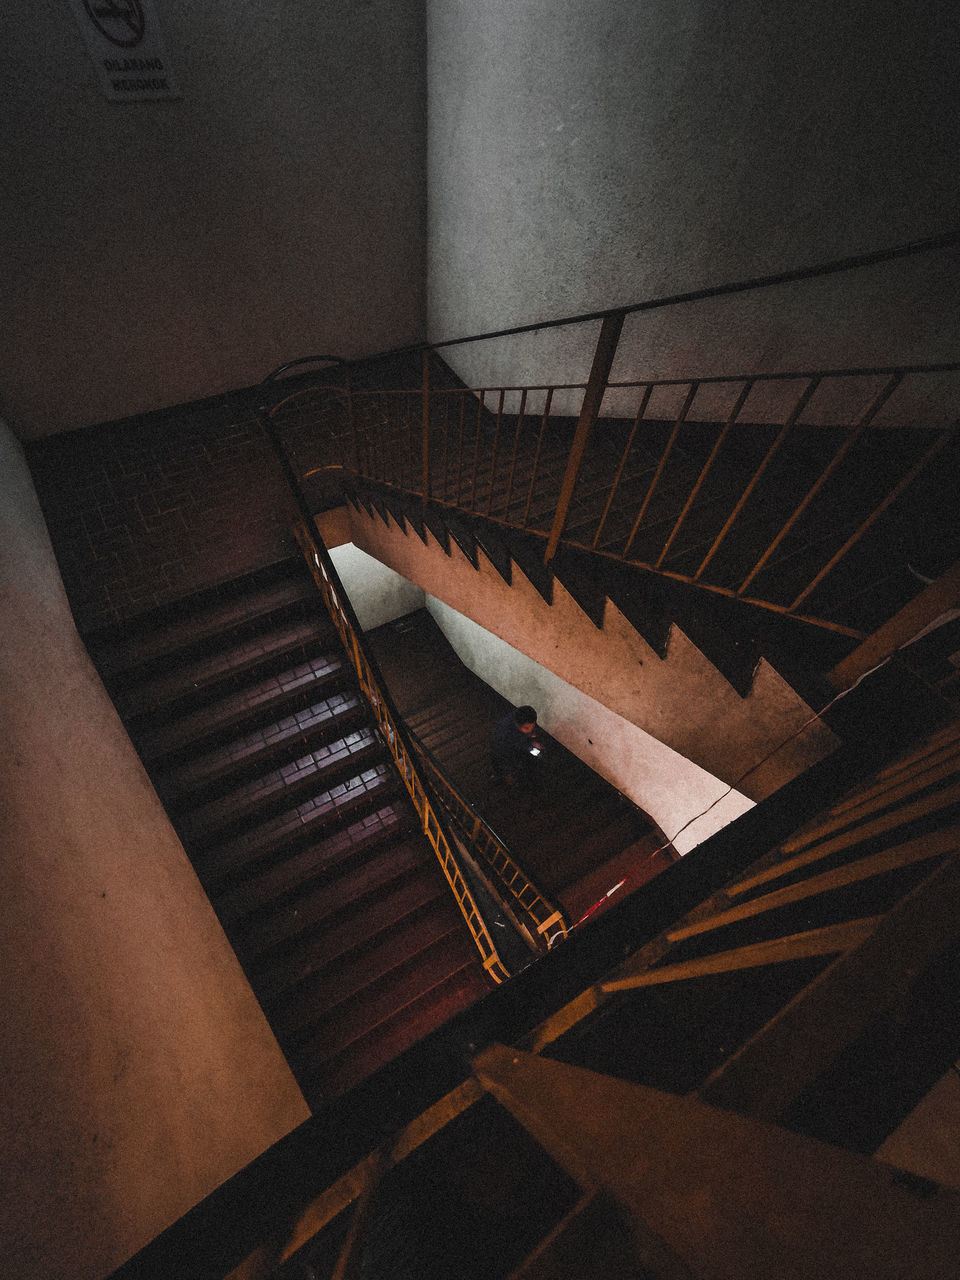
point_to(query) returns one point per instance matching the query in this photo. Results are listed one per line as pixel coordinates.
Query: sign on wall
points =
(126, 48)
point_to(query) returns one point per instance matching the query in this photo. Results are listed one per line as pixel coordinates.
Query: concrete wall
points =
(683, 799)
(755, 744)
(138, 1070)
(377, 593)
(583, 156)
(155, 253)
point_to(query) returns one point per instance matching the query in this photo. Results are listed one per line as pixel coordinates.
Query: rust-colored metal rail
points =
(489, 475)
(325, 577)
(538, 917)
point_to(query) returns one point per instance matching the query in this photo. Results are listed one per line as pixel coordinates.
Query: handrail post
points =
(922, 611)
(352, 423)
(425, 358)
(589, 411)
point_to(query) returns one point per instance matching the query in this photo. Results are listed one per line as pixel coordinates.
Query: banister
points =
(853, 262)
(388, 719)
(528, 899)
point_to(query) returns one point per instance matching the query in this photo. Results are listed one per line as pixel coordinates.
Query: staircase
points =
(576, 836)
(245, 712)
(786, 538)
(813, 997)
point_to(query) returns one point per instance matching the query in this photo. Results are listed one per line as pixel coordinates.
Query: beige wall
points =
(155, 253)
(378, 595)
(685, 801)
(138, 1070)
(680, 700)
(583, 156)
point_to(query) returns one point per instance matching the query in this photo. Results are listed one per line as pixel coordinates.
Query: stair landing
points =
(576, 836)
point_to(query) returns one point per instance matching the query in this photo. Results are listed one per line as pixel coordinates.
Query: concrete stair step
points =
(347, 988)
(320, 879)
(201, 679)
(164, 743)
(205, 776)
(335, 1074)
(322, 812)
(124, 661)
(409, 884)
(283, 786)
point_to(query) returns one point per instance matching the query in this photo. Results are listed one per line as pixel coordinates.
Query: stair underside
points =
(576, 836)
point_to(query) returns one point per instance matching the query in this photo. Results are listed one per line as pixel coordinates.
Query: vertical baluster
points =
(476, 449)
(856, 432)
(426, 425)
(374, 431)
(516, 445)
(459, 493)
(352, 424)
(798, 408)
(661, 466)
(411, 437)
(446, 439)
(493, 456)
(548, 400)
(382, 444)
(875, 515)
(589, 411)
(638, 418)
(734, 414)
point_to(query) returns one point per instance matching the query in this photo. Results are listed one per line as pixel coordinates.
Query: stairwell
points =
(810, 998)
(757, 536)
(575, 835)
(247, 717)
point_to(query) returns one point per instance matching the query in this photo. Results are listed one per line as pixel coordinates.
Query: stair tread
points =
(355, 976)
(325, 809)
(346, 756)
(408, 1025)
(320, 861)
(323, 719)
(261, 697)
(121, 656)
(414, 884)
(211, 670)
(385, 998)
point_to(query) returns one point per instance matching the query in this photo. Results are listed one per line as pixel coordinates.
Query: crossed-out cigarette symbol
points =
(119, 21)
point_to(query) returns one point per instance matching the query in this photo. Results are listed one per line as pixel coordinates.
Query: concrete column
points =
(138, 1070)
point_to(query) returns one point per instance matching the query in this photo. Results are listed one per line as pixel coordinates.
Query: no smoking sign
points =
(126, 48)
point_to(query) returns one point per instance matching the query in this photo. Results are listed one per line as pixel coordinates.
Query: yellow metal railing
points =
(537, 915)
(324, 575)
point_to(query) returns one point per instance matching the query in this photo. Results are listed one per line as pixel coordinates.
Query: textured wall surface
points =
(755, 744)
(144, 511)
(583, 156)
(138, 1070)
(156, 252)
(683, 799)
(377, 593)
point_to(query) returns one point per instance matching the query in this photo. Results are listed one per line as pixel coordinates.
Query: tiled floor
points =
(147, 510)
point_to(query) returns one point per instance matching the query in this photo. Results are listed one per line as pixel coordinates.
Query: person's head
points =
(525, 718)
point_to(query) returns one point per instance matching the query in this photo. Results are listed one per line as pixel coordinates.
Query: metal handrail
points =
(545, 922)
(479, 448)
(344, 619)
(837, 266)
(327, 580)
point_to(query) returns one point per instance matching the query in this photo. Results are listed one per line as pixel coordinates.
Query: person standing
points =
(515, 748)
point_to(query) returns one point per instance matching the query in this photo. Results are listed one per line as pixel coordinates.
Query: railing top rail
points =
(867, 371)
(945, 240)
